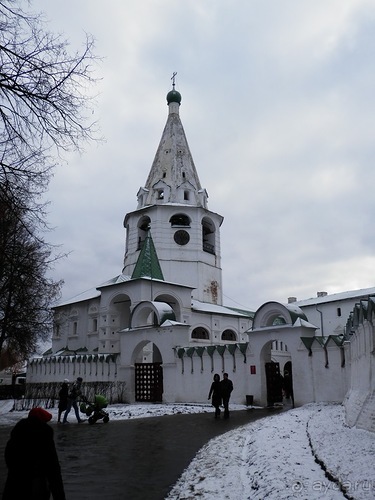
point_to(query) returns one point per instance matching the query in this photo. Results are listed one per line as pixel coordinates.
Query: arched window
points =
(200, 333)
(179, 220)
(228, 335)
(208, 235)
(144, 225)
(278, 321)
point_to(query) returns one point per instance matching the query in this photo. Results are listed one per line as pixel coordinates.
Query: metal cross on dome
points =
(174, 79)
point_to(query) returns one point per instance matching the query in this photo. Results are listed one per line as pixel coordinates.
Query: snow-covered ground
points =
(305, 453)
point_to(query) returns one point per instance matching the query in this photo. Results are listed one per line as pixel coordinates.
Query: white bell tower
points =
(173, 207)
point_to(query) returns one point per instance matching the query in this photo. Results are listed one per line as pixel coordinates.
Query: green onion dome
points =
(174, 96)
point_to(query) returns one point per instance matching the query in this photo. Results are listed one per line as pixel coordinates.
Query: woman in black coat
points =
(63, 398)
(215, 390)
(33, 466)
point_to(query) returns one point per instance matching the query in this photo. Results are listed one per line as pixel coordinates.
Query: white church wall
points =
(331, 319)
(164, 338)
(76, 326)
(331, 315)
(194, 376)
(55, 369)
(217, 324)
(360, 399)
(320, 372)
(262, 340)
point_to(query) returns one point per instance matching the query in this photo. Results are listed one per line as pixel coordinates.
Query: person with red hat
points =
(33, 465)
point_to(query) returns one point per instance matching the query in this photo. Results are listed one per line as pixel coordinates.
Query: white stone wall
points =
(194, 376)
(97, 368)
(360, 399)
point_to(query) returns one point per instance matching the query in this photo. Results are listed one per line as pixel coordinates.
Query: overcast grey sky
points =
(278, 108)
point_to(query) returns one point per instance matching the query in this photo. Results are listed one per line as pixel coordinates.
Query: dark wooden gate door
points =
(148, 382)
(274, 383)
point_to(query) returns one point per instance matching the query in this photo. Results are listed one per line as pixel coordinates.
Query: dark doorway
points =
(148, 382)
(274, 384)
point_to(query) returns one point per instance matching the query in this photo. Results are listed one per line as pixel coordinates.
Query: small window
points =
(339, 311)
(179, 220)
(200, 333)
(228, 335)
(161, 194)
(279, 321)
(186, 195)
(75, 328)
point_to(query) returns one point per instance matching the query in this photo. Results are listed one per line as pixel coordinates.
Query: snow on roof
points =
(93, 293)
(196, 305)
(352, 294)
(306, 324)
(170, 322)
(121, 278)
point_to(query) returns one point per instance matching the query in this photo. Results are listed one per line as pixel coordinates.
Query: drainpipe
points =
(322, 335)
(321, 321)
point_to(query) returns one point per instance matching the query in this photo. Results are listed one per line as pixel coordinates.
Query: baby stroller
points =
(95, 411)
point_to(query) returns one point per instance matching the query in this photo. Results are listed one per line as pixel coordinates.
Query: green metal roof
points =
(307, 341)
(148, 263)
(245, 312)
(220, 348)
(322, 341)
(337, 339)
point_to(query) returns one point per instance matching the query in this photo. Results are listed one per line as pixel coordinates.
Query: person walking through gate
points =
(63, 398)
(33, 465)
(226, 390)
(72, 400)
(215, 391)
(288, 387)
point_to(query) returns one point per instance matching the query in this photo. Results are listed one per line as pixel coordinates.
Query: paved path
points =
(132, 459)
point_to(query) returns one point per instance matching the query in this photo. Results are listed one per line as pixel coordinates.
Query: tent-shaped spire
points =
(148, 263)
(173, 177)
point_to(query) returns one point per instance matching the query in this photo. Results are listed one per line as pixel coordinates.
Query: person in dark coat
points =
(63, 398)
(215, 391)
(33, 466)
(226, 391)
(73, 396)
(288, 386)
